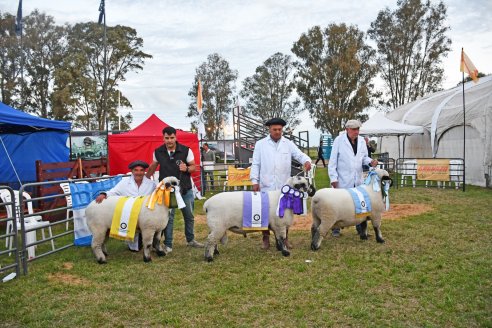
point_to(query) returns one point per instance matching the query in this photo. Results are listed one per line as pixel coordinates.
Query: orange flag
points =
(468, 67)
(199, 98)
(199, 104)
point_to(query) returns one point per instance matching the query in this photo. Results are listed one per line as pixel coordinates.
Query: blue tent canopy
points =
(25, 138)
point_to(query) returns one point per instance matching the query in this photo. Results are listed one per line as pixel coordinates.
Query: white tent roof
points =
(379, 125)
(440, 111)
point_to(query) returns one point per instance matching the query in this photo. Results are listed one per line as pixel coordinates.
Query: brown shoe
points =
(266, 241)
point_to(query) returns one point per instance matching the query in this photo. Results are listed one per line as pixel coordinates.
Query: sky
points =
(181, 34)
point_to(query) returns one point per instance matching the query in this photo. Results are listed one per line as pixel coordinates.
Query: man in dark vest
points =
(175, 159)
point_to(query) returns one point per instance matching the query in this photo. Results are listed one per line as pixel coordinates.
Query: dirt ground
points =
(396, 212)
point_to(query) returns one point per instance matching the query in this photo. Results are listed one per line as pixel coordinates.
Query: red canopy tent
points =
(141, 142)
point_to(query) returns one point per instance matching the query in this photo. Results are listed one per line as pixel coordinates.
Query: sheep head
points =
(302, 184)
(170, 181)
(382, 177)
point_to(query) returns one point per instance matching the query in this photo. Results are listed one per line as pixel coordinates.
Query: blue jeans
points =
(189, 220)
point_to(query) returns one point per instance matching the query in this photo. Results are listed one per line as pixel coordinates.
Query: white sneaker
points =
(168, 250)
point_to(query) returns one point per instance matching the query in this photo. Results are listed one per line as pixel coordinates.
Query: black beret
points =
(275, 121)
(134, 164)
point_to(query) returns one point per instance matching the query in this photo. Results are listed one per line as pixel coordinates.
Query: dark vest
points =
(168, 166)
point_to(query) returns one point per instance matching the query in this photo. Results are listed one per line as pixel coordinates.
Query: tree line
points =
(57, 72)
(330, 72)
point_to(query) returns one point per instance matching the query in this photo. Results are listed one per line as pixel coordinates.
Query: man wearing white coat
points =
(348, 154)
(135, 185)
(272, 163)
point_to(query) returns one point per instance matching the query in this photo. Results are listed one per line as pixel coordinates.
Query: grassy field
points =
(435, 270)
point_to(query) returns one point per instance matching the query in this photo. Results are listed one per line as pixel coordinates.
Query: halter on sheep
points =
(334, 208)
(225, 212)
(152, 219)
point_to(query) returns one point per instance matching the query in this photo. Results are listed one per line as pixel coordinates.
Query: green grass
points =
(434, 271)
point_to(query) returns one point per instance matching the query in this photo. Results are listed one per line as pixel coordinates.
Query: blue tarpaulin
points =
(25, 138)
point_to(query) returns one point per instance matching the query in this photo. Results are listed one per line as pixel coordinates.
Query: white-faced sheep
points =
(150, 222)
(225, 212)
(334, 208)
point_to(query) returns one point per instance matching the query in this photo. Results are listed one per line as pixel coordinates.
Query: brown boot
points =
(266, 240)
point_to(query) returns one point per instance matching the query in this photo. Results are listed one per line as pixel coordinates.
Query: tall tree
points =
(79, 85)
(43, 45)
(411, 42)
(269, 92)
(335, 68)
(217, 80)
(10, 57)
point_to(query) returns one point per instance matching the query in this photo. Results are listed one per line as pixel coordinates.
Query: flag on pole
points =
(102, 12)
(18, 20)
(201, 119)
(468, 67)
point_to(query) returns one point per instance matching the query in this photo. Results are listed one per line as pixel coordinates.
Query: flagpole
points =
(464, 130)
(464, 126)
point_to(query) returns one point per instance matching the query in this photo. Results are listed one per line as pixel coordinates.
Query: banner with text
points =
(433, 169)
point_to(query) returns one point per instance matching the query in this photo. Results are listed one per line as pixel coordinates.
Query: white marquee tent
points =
(441, 116)
(378, 126)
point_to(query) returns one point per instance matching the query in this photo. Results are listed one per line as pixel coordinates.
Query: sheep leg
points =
(97, 247)
(376, 223)
(159, 248)
(316, 238)
(363, 230)
(103, 246)
(280, 237)
(211, 245)
(319, 234)
(147, 237)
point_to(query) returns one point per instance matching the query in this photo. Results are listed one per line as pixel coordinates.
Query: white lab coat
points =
(344, 166)
(128, 187)
(272, 162)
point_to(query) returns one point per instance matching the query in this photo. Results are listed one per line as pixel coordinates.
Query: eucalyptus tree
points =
(218, 83)
(411, 44)
(270, 92)
(80, 83)
(335, 69)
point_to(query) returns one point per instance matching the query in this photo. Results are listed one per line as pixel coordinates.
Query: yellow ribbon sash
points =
(125, 218)
(160, 194)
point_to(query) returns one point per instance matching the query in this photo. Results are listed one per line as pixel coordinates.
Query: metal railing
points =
(408, 173)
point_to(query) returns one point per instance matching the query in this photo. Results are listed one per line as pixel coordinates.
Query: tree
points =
(44, 45)
(217, 80)
(10, 57)
(334, 72)
(468, 78)
(268, 92)
(79, 83)
(411, 42)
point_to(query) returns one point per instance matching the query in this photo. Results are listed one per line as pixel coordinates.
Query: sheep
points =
(334, 208)
(225, 212)
(150, 222)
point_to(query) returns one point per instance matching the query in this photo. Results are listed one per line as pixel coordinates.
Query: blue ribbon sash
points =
(362, 202)
(256, 206)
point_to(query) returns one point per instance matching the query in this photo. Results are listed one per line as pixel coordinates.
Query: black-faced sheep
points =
(334, 208)
(225, 212)
(150, 222)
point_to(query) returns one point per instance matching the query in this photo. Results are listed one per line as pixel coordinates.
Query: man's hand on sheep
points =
(307, 166)
(100, 198)
(256, 187)
(334, 184)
